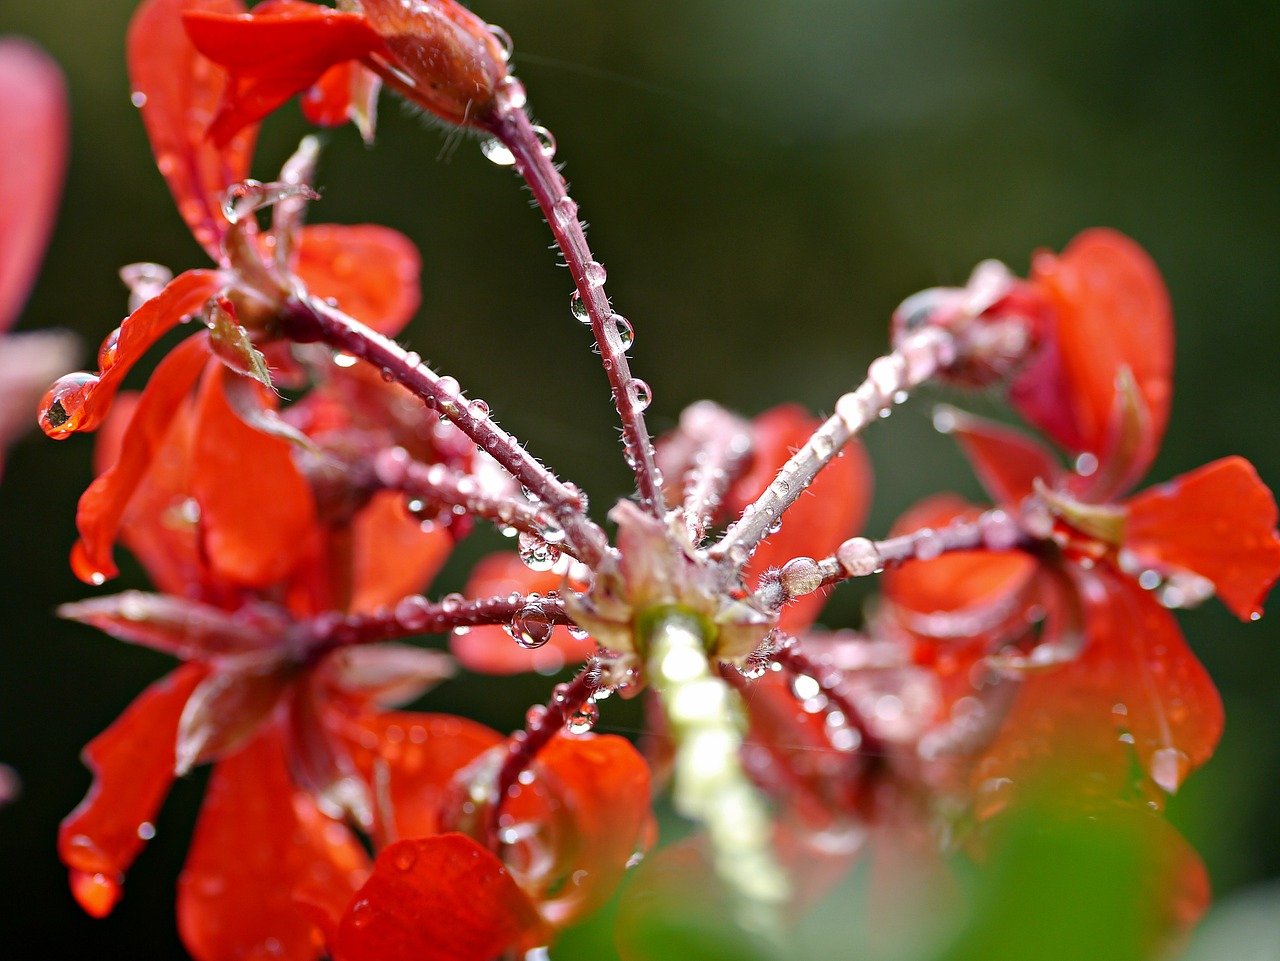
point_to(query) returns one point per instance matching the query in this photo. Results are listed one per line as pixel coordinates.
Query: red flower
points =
(371, 271)
(436, 52)
(33, 115)
(1100, 387)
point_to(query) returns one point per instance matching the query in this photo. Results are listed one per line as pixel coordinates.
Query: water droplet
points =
(626, 334)
(64, 406)
(1086, 464)
(452, 603)
(578, 632)
(97, 894)
(584, 718)
(565, 211)
(639, 393)
(1255, 615)
(138, 99)
(578, 307)
(388, 375)
(595, 273)
(546, 140)
(534, 717)
(801, 576)
(345, 360)
(478, 409)
(146, 830)
(928, 545)
(859, 557)
(107, 352)
(404, 857)
(1169, 767)
(531, 627)
(496, 152)
(805, 687)
(536, 553)
(413, 612)
(504, 41)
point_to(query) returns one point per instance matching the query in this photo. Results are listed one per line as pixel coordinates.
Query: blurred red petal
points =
(490, 649)
(103, 504)
(1112, 312)
(1006, 461)
(178, 90)
(262, 860)
(33, 158)
(590, 797)
(279, 50)
(345, 92)
(960, 594)
(257, 523)
(829, 512)
(411, 759)
(1218, 521)
(132, 767)
(392, 556)
(372, 272)
(442, 898)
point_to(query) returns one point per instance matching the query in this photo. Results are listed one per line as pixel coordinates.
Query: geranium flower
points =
(436, 52)
(1093, 557)
(371, 271)
(33, 114)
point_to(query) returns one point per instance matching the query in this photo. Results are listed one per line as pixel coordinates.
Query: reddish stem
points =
(513, 128)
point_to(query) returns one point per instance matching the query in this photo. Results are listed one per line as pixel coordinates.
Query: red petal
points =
(279, 50)
(33, 157)
(373, 272)
(259, 847)
(1006, 461)
(1218, 521)
(829, 512)
(963, 593)
(103, 504)
(179, 91)
(256, 523)
(442, 898)
(392, 555)
(416, 757)
(1112, 312)
(345, 92)
(589, 803)
(491, 650)
(86, 408)
(132, 766)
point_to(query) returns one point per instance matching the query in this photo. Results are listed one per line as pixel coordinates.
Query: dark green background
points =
(765, 182)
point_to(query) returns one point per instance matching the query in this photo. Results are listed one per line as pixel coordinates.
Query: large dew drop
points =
(531, 627)
(496, 152)
(65, 406)
(584, 718)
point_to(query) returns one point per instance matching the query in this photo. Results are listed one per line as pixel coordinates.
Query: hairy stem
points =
(889, 378)
(513, 128)
(306, 319)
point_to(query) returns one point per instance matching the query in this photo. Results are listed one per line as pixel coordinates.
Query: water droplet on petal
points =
(138, 99)
(96, 893)
(63, 408)
(639, 393)
(584, 718)
(107, 352)
(1169, 767)
(496, 152)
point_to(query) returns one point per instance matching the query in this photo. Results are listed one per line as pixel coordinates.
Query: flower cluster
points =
(291, 479)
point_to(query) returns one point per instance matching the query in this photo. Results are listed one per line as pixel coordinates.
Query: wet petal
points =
(279, 50)
(411, 759)
(588, 806)
(228, 707)
(1112, 312)
(389, 674)
(1006, 461)
(33, 157)
(372, 272)
(103, 504)
(1218, 521)
(392, 556)
(443, 898)
(831, 511)
(64, 413)
(132, 767)
(256, 525)
(178, 91)
(264, 862)
(490, 649)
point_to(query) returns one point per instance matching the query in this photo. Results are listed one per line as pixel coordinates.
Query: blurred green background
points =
(765, 181)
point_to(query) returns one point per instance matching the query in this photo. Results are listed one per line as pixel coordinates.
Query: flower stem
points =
(889, 378)
(513, 128)
(306, 319)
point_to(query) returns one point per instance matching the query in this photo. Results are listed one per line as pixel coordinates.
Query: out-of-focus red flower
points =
(435, 52)
(372, 272)
(33, 155)
(1125, 674)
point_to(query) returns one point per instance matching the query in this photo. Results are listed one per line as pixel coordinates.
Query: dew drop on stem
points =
(496, 152)
(531, 627)
(584, 718)
(639, 393)
(578, 307)
(626, 334)
(595, 273)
